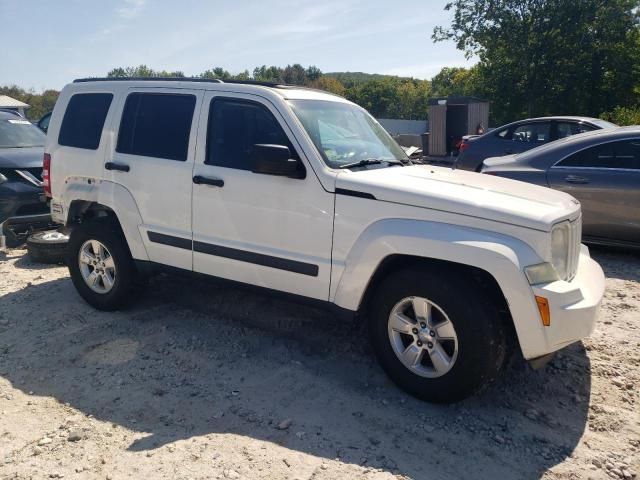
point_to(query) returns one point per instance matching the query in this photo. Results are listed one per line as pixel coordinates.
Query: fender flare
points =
(117, 198)
(501, 256)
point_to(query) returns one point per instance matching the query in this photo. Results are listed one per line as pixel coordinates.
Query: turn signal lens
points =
(543, 307)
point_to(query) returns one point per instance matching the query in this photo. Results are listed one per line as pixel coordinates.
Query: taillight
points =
(46, 174)
(463, 146)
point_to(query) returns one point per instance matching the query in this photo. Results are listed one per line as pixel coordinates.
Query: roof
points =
(567, 145)
(8, 102)
(285, 91)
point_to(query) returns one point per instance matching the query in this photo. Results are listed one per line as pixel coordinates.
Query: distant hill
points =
(358, 77)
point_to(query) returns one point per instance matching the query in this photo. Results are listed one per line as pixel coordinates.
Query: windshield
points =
(344, 133)
(20, 133)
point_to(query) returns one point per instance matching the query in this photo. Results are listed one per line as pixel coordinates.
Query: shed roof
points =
(8, 102)
(456, 100)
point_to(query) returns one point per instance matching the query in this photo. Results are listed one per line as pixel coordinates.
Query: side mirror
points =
(276, 160)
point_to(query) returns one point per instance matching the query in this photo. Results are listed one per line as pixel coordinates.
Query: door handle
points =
(576, 179)
(215, 182)
(116, 166)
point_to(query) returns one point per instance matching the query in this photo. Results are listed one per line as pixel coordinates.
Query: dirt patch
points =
(199, 380)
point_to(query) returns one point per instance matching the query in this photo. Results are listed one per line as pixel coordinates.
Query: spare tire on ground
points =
(47, 247)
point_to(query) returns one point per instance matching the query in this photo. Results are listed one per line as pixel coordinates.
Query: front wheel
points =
(436, 335)
(100, 264)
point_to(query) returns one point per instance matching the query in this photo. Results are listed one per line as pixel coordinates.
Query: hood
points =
(29, 157)
(464, 193)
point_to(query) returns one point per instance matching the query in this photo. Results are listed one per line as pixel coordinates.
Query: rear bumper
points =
(574, 305)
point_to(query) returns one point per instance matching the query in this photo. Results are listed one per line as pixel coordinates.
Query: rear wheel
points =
(100, 264)
(436, 335)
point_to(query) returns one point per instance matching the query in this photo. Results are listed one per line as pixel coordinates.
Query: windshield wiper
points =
(369, 161)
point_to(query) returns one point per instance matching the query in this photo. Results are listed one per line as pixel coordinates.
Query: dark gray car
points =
(22, 203)
(521, 136)
(601, 169)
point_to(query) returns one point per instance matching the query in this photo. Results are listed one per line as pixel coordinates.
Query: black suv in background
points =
(22, 203)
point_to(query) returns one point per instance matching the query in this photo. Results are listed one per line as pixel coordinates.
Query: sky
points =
(46, 44)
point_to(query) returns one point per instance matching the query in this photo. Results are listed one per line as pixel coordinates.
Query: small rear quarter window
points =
(84, 119)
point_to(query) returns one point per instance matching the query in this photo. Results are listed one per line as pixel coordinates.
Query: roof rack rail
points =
(151, 79)
(202, 80)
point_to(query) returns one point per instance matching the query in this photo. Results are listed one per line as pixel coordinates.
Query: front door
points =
(153, 159)
(264, 230)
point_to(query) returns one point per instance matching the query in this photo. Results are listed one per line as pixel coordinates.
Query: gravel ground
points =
(199, 380)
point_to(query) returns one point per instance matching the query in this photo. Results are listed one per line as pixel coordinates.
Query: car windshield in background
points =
(20, 133)
(346, 134)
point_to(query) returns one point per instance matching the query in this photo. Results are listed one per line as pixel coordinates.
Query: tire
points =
(48, 247)
(119, 270)
(477, 352)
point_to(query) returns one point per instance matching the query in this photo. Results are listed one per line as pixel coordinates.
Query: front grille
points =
(573, 255)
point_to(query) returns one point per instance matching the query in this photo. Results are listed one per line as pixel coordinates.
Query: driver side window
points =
(532, 133)
(235, 126)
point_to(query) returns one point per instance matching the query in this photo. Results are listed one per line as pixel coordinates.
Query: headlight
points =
(541, 273)
(3, 178)
(560, 248)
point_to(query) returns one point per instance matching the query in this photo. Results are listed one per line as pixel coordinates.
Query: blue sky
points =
(46, 44)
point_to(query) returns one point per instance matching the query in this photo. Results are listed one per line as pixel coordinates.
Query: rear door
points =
(606, 180)
(153, 160)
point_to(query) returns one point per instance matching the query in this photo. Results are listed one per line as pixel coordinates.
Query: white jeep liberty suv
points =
(303, 192)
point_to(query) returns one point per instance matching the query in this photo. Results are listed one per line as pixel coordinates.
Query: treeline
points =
(384, 96)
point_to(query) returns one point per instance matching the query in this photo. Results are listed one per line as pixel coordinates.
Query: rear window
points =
(83, 120)
(156, 125)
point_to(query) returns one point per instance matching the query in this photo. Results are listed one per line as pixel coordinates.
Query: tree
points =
(142, 71)
(541, 57)
(329, 84)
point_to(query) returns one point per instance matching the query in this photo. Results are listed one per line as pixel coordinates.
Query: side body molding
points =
(118, 199)
(500, 255)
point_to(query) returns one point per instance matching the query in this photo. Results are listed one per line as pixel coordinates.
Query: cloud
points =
(130, 9)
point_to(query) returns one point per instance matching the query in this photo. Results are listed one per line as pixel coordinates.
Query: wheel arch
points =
(107, 199)
(495, 260)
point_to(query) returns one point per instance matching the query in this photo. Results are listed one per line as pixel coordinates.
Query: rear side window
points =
(156, 125)
(617, 155)
(83, 120)
(235, 126)
(566, 129)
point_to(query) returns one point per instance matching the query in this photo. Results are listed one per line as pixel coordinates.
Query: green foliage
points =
(623, 115)
(142, 71)
(350, 79)
(544, 57)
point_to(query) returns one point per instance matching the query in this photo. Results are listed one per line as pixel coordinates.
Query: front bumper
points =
(574, 305)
